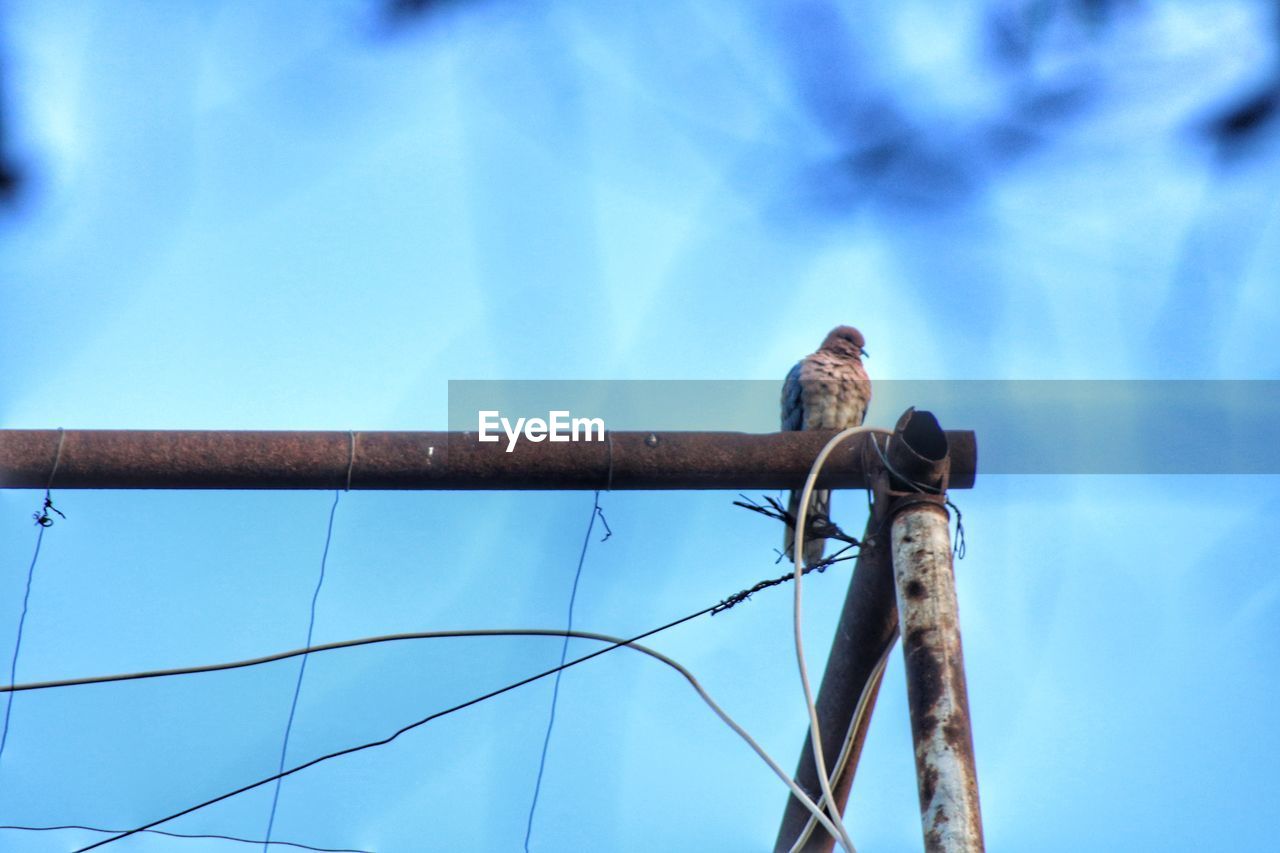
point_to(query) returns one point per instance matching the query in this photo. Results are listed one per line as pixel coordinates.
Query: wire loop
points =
(351, 460)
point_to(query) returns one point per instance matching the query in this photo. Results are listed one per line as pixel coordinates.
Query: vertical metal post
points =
(936, 691)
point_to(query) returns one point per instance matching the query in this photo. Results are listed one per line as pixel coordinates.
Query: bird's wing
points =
(792, 404)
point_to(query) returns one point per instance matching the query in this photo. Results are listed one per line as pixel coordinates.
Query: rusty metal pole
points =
(930, 623)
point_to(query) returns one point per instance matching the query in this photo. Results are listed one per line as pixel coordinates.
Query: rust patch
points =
(924, 682)
(923, 723)
(956, 732)
(915, 590)
(933, 838)
(928, 787)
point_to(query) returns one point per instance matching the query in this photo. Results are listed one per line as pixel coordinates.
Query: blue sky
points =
(295, 216)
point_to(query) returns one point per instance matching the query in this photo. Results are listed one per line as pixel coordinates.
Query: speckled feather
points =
(828, 389)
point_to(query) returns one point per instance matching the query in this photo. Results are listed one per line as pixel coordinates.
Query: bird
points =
(827, 389)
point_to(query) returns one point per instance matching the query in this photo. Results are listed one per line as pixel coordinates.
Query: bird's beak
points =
(865, 354)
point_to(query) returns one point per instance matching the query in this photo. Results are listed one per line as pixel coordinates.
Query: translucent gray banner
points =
(1022, 426)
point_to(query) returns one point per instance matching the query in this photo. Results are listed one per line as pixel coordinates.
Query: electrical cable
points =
(302, 666)
(564, 653)
(614, 642)
(857, 723)
(17, 644)
(815, 733)
(43, 520)
(184, 835)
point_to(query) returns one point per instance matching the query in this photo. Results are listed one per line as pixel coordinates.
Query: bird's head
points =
(845, 340)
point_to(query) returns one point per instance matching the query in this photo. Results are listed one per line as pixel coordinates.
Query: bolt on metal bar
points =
(180, 459)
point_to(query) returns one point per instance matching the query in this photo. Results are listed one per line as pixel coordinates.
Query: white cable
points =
(861, 710)
(815, 733)
(796, 790)
(815, 813)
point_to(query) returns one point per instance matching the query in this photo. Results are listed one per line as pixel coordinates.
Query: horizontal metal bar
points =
(182, 459)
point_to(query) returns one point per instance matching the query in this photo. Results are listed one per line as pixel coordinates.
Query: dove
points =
(828, 389)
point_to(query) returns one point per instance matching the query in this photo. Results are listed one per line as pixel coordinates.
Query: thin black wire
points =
(564, 653)
(44, 522)
(923, 488)
(384, 741)
(302, 666)
(960, 547)
(608, 483)
(17, 645)
(820, 566)
(187, 835)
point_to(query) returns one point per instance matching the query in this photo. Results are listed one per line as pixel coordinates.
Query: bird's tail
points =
(814, 546)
